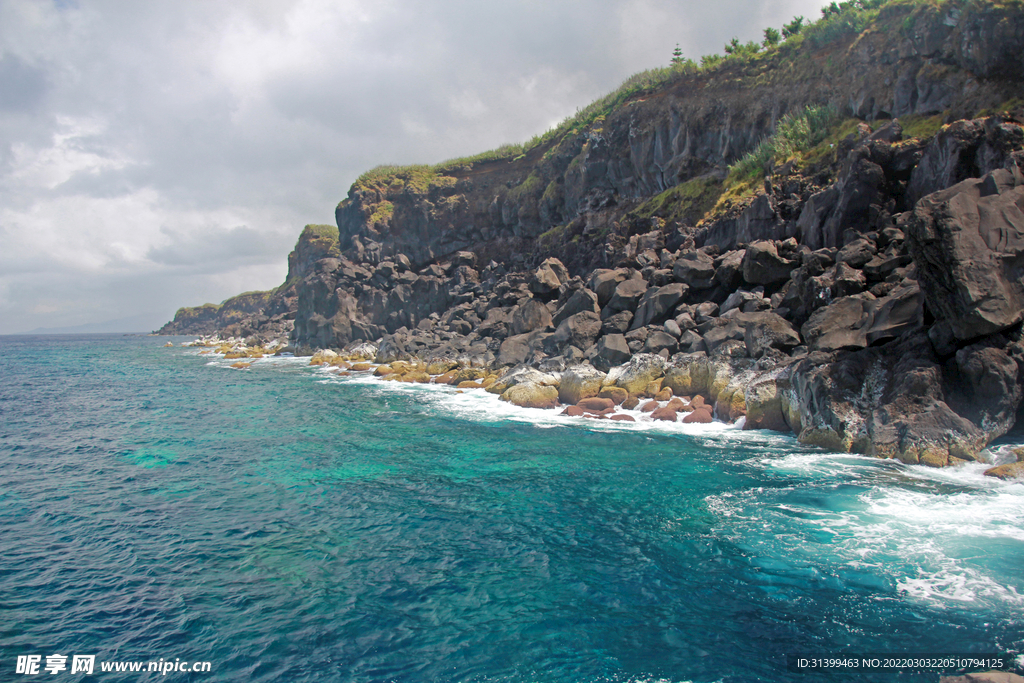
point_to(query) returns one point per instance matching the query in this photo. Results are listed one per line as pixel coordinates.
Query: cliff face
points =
(859, 284)
(267, 315)
(910, 61)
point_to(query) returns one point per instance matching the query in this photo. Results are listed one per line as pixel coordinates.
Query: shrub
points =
(793, 133)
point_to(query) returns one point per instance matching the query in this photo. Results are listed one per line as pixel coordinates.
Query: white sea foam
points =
(933, 535)
(477, 404)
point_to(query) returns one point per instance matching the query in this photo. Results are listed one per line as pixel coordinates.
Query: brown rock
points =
(700, 415)
(596, 403)
(241, 366)
(649, 407)
(623, 418)
(631, 402)
(573, 411)
(664, 395)
(677, 404)
(383, 370)
(531, 395)
(361, 367)
(446, 378)
(1011, 470)
(417, 376)
(469, 384)
(616, 394)
(666, 414)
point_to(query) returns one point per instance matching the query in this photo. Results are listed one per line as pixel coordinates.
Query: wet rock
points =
(1008, 471)
(578, 383)
(666, 414)
(634, 376)
(615, 394)
(522, 375)
(596, 404)
(700, 415)
(623, 418)
(531, 395)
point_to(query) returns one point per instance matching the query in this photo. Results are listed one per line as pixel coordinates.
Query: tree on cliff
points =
(677, 55)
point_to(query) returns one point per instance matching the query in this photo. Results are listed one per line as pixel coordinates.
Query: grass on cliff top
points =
(315, 231)
(839, 20)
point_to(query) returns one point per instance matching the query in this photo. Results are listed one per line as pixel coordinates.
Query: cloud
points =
(164, 154)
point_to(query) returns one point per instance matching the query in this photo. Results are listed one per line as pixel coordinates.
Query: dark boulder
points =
(581, 300)
(656, 303)
(762, 264)
(626, 297)
(968, 245)
(611, 350)
(694, 269)
(548, 277)
(531, 315)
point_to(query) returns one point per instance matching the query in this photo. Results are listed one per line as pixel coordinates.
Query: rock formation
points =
(867, 296)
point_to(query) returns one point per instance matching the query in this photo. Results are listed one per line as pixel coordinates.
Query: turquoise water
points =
(287, 525)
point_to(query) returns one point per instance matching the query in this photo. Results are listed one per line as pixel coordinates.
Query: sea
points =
(282, 523)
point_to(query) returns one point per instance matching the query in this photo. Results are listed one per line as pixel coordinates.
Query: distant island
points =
(821, 233)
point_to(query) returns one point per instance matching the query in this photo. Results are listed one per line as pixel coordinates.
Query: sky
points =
(163, 154)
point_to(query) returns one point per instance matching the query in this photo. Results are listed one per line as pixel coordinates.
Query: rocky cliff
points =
(824, 237)
(265, 315)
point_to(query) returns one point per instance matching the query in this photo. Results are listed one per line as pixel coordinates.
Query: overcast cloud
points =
(161, 154)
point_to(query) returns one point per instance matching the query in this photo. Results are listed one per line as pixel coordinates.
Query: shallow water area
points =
(285, 523)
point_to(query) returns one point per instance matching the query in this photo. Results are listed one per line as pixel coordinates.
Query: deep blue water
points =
(289, 526)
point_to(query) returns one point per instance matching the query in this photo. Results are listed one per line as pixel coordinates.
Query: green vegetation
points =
(921, 126)
(552, 237)
(685, 203)
(793, 28)
(839, 20)
(382, 213)
(1010, 105)
(416, 177)
(794, 133)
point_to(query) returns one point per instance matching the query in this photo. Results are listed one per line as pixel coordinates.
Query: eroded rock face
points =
(855, 322)
(968, 244)
(546, 260)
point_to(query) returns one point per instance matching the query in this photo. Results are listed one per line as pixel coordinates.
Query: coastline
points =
(359, 365)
